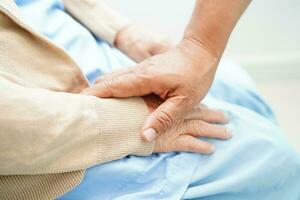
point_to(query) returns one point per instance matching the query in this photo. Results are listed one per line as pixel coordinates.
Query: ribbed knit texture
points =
(70, 132)
(119, 131)
(38, 187)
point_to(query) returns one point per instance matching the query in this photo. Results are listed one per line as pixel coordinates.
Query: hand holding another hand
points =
(181, 76)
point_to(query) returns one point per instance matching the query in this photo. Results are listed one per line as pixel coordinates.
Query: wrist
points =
(198, 45)
(199, 53)
(120, 129)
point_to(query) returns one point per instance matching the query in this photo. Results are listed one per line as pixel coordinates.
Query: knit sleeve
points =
(103, 21)
(52, 132)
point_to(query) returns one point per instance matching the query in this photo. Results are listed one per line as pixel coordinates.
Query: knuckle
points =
(112, 82)
(180, 127)
(145, 77)
(191, 126)
(165, 119)
(186, 144)
(199, 127)
(107, 83)
(198, 109)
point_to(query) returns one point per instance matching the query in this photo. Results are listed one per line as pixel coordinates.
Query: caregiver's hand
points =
(181, 76)
(183, 134)
(140, 44)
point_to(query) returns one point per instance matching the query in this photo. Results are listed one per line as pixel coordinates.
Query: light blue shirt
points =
(257, 163)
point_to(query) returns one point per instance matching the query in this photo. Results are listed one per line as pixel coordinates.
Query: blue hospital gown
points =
(257, 163)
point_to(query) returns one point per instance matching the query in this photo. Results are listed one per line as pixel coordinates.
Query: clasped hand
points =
(180, 76)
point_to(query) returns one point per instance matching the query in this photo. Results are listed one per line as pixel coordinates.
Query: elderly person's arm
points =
(44, 131)
(107, 24)
(183, 75)
(45, 127)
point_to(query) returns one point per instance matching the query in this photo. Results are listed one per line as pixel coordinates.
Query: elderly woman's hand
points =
(184, 134)
(140, 44)
(181, 76)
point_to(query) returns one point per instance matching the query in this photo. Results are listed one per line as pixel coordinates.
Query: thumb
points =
(123, 85)
(163, 117)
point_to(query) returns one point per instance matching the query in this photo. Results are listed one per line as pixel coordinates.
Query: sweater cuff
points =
(120, 122)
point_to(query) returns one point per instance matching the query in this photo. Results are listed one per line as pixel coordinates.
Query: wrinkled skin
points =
(184, 134)
(180, 75)
(177, 76)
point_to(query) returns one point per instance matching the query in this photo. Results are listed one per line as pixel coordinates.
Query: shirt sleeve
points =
(43, 131)
(98, 17)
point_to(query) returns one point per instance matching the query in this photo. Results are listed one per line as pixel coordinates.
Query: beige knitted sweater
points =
(49, 134)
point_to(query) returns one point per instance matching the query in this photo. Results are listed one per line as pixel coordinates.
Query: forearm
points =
(212, 23)
(98, 17)
(52, 132)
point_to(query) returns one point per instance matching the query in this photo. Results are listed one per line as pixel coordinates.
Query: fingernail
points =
(227, 118)
(212, 149)
(149, 134)
(228, 133)
(148, 122)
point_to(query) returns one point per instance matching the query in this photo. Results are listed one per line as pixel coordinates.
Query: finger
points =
(107, 76)
(202, 105)
(113, 74)
(198, 128)
(188, 143)
(125, 85)
(140, 57)
(163, 117)
(208, 115)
